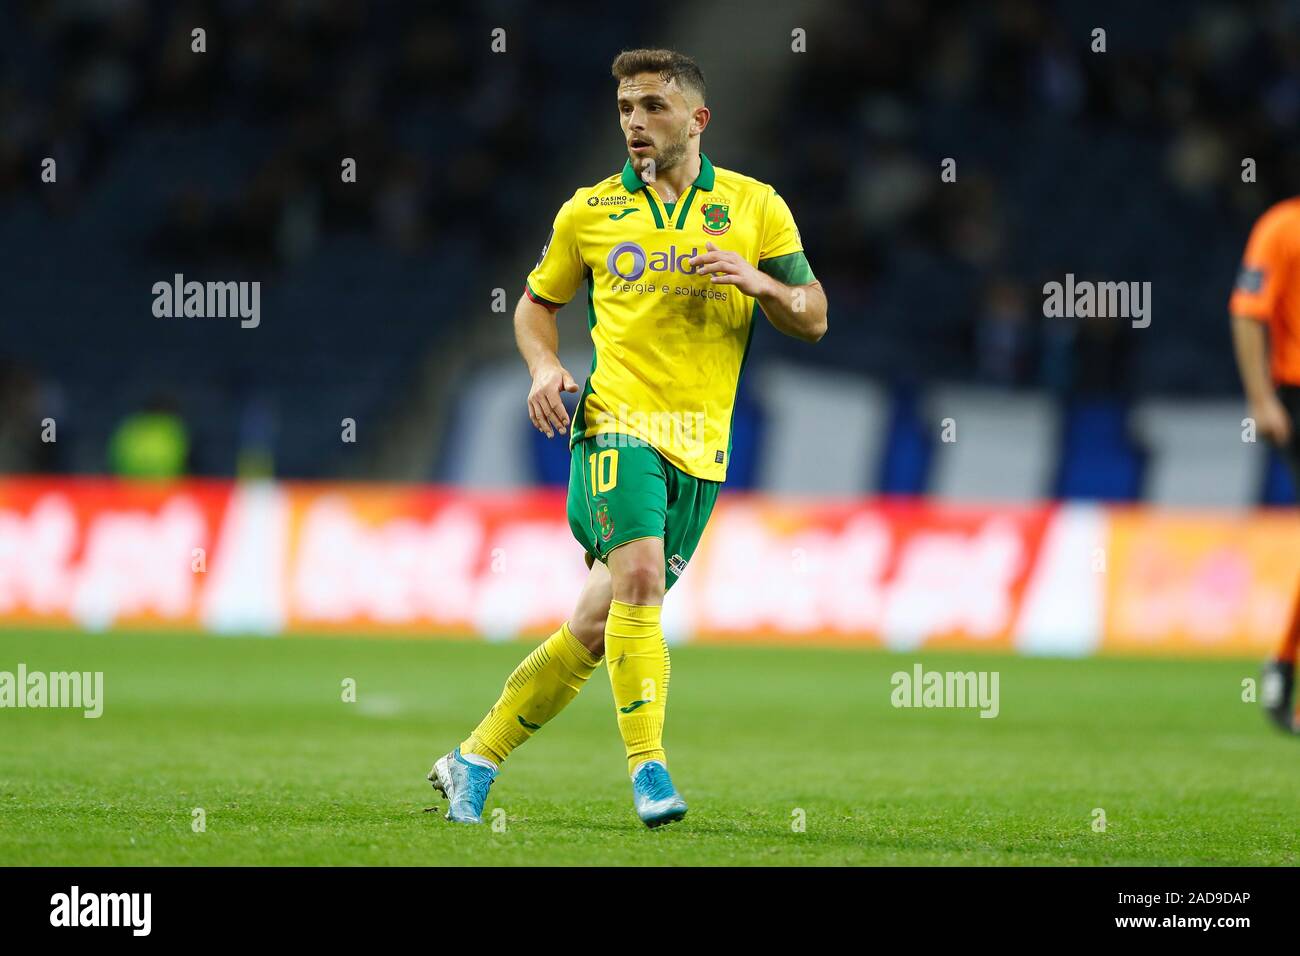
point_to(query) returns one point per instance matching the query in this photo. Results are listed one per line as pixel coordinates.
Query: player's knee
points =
(640, 583)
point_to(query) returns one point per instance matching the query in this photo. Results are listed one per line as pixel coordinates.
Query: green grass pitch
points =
(255, 732)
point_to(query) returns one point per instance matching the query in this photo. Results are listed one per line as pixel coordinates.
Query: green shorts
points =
(621, 489)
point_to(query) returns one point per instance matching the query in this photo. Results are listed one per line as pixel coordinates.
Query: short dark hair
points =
(669, 64)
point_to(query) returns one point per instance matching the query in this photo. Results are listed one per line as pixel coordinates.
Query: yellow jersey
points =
(669, 345)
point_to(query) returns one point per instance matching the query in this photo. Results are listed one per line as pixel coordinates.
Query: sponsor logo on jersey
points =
(641, 261)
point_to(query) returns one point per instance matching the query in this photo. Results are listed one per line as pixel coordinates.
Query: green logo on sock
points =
(527, 724)
(632, 706)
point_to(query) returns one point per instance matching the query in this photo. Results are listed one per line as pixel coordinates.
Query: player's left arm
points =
(797, 310)
(781, 283)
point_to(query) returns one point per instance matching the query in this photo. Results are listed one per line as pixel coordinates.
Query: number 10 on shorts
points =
(604, 470)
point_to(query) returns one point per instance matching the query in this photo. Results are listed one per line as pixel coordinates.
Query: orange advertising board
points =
(425, 561)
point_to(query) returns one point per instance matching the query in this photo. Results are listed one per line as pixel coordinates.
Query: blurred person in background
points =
(1005, 335)
(28, 422)
(1265, 310)
(255, 459)
(152, 443)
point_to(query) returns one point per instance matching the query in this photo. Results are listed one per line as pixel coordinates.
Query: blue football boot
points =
(657, 800)
(464, 784)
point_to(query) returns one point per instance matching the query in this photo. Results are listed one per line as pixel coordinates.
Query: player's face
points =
(656, 119)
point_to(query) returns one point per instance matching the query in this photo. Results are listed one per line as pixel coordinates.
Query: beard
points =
(671, 154)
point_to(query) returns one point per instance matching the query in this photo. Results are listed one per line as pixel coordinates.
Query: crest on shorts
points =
(604, 519)
(716, 218)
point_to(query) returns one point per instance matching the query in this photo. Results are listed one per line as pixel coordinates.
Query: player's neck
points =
(672, 183)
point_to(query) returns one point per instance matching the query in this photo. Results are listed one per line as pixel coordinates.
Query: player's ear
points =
(700, 119)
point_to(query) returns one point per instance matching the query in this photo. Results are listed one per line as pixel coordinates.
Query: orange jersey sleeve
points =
(1268, 287)
(1262, 283)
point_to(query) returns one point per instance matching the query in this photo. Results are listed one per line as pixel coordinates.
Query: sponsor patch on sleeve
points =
(1250, 280)
(545, 246)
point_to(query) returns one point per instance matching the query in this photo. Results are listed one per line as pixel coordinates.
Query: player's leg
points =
(546, 680)
(642, 570)
(636, 653)
(1277, 686)
(653, 516)
(636, 656)
(618, 506)
(538, 689)
(619, 490)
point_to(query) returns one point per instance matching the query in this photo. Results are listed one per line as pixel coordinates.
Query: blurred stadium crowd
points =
(1123, 165)
(1120, 165)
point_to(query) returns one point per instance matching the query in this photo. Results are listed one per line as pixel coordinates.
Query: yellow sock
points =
(539, 688)
(637, 658)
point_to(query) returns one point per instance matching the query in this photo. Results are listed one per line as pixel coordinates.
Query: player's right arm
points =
(1255, 298)
(538, 339)
(553, 281)
(1250, 341)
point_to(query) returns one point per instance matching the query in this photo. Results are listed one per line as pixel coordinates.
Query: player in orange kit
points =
(1265, 309)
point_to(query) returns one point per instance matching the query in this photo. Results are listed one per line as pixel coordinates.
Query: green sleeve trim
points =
(791, 268)
(539, 299)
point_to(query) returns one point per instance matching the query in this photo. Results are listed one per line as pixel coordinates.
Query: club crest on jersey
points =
(716, 219)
